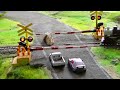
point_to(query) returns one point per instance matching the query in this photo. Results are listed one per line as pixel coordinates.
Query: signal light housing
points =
(30, 39)
(22, 39)
(92, 17)
(99, 17)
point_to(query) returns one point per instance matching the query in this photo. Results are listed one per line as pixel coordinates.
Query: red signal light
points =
(30, 39)
(92, 17)
(99, 17)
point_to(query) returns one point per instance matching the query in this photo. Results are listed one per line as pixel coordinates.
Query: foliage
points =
(106, 56)
(4, 66)
(27, 72)
(81, 19)
(8, 32)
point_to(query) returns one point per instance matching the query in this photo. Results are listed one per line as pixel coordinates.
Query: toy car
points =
(77, 65)
(57, 59)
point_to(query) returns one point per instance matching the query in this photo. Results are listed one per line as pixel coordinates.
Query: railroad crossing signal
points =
(96, 15)
(23, 54)
(25, 30)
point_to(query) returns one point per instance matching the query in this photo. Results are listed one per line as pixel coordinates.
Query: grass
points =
(27, 72)
(4, 66)
(68, 17)
(80, 20)
(6, 24)
(106, 52)
(105, 57)
(114, 16)
(8, 32)
(9, 38)
(23, 72)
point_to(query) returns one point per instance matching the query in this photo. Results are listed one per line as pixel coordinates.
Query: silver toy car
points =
(57, 59)
(77, 65)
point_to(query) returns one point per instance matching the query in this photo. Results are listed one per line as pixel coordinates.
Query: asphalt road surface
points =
(43, 24)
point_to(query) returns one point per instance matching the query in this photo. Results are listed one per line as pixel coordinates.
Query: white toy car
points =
(77, 65)
(57, 59)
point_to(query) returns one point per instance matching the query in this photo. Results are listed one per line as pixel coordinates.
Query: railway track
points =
(13, 48)
(10, 51)
(7, 56)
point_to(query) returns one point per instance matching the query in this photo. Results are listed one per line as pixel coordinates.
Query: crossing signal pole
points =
(99, 26)
(96, 18)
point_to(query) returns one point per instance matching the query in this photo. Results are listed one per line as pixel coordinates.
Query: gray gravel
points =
(42, 23)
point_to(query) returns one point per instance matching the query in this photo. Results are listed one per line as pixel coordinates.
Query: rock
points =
(48, 39)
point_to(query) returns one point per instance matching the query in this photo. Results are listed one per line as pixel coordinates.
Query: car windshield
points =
(56, 57)
(79, 63)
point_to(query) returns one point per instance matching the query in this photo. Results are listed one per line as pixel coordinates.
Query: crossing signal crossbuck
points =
(96, 15)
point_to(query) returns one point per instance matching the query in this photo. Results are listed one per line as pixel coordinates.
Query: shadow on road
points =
(59, 67)
(43, 43)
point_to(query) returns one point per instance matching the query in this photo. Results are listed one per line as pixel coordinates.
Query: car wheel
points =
(68, 64)
(49, 58)
(52, 65)
(85, 70)
(51, 62)
(73, 69)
